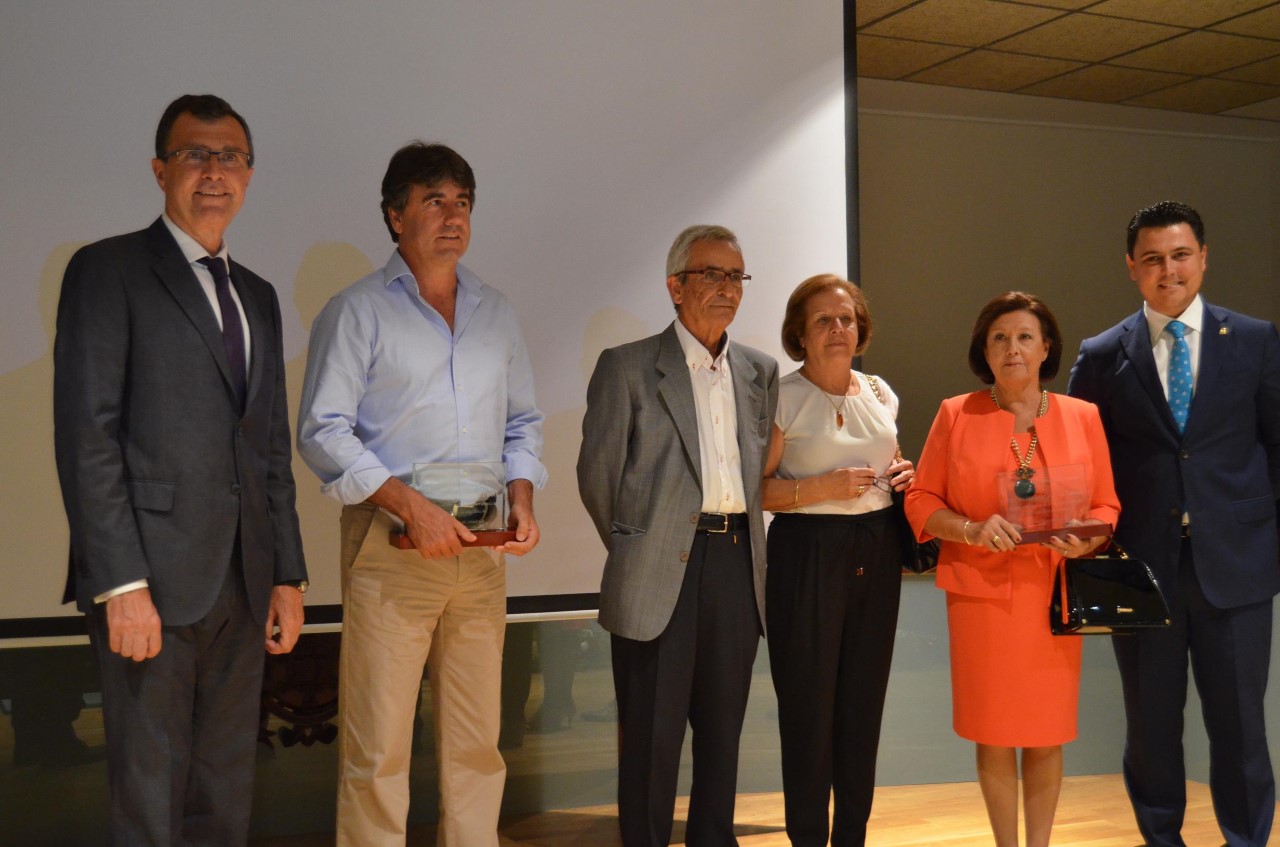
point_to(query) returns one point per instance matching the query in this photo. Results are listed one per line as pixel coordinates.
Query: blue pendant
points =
(1025, 489)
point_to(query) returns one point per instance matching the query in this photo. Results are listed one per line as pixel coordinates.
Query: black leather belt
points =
(719, 522)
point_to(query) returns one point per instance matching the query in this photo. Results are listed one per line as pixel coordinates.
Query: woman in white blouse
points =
(835, 561)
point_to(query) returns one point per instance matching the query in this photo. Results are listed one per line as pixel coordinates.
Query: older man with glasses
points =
(673, 445)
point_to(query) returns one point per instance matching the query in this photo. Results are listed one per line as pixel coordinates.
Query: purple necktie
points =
(232, 332)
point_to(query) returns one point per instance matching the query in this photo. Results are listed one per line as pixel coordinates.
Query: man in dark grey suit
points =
(172, 444)
(673, 446)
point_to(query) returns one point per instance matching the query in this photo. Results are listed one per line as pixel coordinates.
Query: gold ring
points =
(862, 489)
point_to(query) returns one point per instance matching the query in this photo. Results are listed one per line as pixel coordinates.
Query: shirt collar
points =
(398, 269)
(695, 354)
(1192, 318)
(191, 248)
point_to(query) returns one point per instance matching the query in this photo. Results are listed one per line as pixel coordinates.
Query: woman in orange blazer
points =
(1014, 685)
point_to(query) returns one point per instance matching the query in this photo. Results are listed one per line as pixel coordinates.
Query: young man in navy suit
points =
(1190, 399)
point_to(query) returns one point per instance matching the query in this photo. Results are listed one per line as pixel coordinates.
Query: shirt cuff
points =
(127, 587)
(359, 481)
(526, 467)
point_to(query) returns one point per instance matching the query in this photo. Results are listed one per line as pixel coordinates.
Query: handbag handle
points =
(875, 386)
(1116, 544)
(1062, 592)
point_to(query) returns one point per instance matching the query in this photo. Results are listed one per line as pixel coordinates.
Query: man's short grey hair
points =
(678, 258)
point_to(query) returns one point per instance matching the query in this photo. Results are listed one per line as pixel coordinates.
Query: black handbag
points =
(1108, 594)
(917, 556)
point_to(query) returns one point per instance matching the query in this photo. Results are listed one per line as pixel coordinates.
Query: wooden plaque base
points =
(484, 538)
(1089, 530)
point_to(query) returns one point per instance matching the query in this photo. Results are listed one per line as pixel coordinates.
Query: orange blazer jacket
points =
(967, 447)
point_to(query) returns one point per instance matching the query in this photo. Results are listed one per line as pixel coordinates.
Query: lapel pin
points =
(1222, 330)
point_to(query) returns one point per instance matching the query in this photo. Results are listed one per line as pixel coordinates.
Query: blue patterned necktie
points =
(1179, 374)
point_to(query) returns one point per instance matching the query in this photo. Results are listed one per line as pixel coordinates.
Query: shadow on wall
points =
(32, 520)
(326, 268)
(569, 558)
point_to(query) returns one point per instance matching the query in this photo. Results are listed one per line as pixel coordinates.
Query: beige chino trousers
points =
(399, 612)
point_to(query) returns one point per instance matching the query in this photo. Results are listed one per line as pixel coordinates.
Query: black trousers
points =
(182, 727)
(698, 671)
(1230, 652)
(832, 599)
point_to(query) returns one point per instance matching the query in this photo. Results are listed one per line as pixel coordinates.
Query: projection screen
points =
(597, 131)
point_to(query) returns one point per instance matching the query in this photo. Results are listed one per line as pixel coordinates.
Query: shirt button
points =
(464, 429)
(1184, 455)
(235, 488)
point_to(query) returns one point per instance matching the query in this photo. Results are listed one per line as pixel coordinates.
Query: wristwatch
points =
(300, 584)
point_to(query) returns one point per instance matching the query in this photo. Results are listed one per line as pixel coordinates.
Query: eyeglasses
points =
(882, 482)
(715, 276)
(232, 160)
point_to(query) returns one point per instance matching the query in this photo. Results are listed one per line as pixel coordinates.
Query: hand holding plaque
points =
(1048, 502)
(473, 493)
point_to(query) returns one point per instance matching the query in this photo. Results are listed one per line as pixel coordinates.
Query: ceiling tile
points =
(1267, 110)
(1194, 13)
(892, 58)
(969, 23)
(873, 10)
(1104, 84)
(1209, 96)
(1088, 38)
(1264, 23)
(1267, 71)
(1056, 4)
(1200, 53)
(992, 71)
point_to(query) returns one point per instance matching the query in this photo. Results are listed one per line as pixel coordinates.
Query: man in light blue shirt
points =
(420, 362)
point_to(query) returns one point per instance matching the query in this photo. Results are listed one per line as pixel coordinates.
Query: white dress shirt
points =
(722, 489)
(1162, 342)
(1192, 318)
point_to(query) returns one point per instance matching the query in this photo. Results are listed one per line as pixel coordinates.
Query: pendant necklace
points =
(838, 408)
(1024, 488)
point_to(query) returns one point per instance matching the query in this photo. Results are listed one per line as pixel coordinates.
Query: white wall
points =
(597, 132)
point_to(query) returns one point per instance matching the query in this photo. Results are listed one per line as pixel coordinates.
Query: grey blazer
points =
(160, 469)
(640, 477)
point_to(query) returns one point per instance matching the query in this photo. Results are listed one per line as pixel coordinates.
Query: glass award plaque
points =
(475, 493)
(1047, 502)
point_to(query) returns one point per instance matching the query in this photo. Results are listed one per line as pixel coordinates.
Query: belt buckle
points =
(724, 527)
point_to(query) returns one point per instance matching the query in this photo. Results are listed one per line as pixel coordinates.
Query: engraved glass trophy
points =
(474, 493)
(1044, 502)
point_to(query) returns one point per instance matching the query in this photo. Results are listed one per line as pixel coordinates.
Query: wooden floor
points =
(1093, 812)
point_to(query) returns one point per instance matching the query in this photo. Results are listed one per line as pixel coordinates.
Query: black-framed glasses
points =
(715, 276)
(232, 160)
(882, 482)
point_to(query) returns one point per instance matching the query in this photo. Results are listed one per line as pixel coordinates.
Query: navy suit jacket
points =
(161, 470)
(1224, 470)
